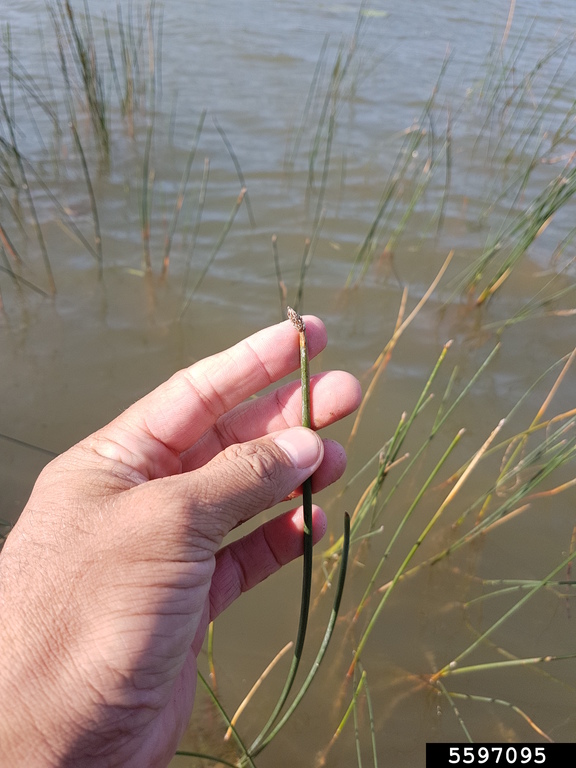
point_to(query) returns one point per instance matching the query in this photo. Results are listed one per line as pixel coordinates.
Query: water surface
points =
(316, 154)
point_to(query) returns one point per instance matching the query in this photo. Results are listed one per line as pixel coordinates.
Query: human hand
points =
(115, 568)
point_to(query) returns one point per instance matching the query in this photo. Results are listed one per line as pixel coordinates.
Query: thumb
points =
(247, 478)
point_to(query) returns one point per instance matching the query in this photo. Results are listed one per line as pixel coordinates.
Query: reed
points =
(391, 198)
(452, 695)
(28, 191)
(279, 280)
(555, 450)
(276, 722)
(66, 220)
(83, 161)
(181, 193)
(82, 47)
(82, 92)
(503, 252)
(9, 249)
(258, 747)
(146, 199)
(22, 281)
(289, 163)
(196, 228)
(237, 167)
(127, 75)
(266, 734)
(214, 252)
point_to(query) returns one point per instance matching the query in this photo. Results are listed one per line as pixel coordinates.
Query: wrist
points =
(55, 713)
(26, 735)
(36, 727)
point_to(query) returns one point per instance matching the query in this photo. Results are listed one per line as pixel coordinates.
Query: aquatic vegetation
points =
(441, 479)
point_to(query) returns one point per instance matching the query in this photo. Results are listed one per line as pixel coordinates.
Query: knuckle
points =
(258, 462)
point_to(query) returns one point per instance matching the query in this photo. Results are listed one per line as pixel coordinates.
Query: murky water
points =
(329, 122)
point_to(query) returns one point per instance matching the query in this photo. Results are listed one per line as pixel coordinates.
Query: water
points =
(494, 137)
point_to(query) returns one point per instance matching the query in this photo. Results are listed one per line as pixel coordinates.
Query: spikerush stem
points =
(300, 326)
(215, 249)
(196, 229)
(499, 702)
(279, 280)
(246, 758)
(181, 194)
(324, 646)
(28, 190)
(239, 173)
(451, 667)
(403, 568)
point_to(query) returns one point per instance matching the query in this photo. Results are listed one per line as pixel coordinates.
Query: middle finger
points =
(333, 395)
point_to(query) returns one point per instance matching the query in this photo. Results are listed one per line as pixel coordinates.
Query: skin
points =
(116, 566)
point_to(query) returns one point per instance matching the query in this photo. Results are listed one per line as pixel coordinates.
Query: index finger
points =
(177, 413)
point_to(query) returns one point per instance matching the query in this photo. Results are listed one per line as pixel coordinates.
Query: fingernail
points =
(302, 446)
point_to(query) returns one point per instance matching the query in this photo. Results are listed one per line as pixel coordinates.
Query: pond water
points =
(373, 141)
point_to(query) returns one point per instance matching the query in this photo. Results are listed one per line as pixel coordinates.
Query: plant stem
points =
(324, 646)
(215, 249)
(245, 756)
(181, 195)
(300, 326)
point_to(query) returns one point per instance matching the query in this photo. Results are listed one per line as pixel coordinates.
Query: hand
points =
(115, 568)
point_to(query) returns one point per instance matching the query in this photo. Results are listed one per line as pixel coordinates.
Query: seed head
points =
(295, 319)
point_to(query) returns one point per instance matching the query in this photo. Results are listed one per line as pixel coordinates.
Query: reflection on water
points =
(327, 116)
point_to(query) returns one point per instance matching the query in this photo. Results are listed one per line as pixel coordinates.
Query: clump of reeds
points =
(393, 214)
(511, 244)
(81, 90)
(81, 48)
(82, 112)
(529, 459)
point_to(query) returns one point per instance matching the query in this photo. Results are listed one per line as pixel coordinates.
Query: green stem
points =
(215, 249)
(181, 195)
(450, 669)
(246, 758)
(307, 485)
(402, 569)
(327, 636)
(298, 323)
